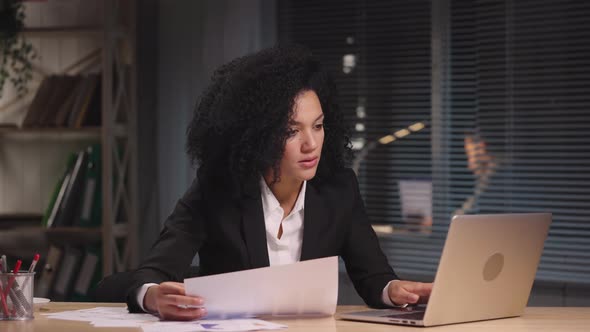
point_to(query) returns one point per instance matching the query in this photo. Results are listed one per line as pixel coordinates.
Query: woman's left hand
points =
(409, 292)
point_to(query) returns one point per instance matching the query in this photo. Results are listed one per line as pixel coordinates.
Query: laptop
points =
(486, 271)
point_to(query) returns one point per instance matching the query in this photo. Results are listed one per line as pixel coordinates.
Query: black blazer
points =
(229, 235)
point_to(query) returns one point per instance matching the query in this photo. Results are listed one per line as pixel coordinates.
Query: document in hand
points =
(304, 288)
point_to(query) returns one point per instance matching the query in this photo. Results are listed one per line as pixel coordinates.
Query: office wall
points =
(194, 38)
(147, 105)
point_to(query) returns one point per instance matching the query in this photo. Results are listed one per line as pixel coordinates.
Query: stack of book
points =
(66, 101)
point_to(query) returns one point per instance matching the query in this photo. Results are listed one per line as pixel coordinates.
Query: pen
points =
(34, 263)
(17, 266)
(11, 280)
(3, 300)
(3, 269)
(16, 292)
(31, 269)
(21, 305)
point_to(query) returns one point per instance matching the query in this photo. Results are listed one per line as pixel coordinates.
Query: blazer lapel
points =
(315, 214)
(254, 229)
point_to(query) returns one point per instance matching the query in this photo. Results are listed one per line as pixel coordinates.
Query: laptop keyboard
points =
(417, 315)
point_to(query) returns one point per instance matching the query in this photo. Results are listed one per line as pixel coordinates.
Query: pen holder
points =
(16, 296)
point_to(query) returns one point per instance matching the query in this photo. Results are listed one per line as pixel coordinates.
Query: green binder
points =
(91, 211)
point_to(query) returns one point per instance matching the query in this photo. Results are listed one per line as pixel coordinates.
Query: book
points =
(64, 85)
(89, 275)
(70, 204)
(62, 114)
(91, 211)
(44, 285)
(85, 101)
(93, 116)
(65, 276)
(78, 103)
(59, 192)
(42, 96)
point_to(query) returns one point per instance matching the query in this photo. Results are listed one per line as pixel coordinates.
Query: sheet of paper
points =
(304, 288)
(120, 317)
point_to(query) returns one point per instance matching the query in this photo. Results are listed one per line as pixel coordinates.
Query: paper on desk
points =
(105, 316)
(120, 317)
(213, 325)
(304, 288)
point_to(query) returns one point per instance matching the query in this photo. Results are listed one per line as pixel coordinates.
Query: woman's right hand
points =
(170, 301)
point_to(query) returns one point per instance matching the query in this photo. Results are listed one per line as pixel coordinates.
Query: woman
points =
(271, 188)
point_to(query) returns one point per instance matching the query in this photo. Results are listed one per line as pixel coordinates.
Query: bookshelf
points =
(53, 134)
(32, 157)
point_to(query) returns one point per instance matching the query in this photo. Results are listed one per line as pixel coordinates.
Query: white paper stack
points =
(120, 317)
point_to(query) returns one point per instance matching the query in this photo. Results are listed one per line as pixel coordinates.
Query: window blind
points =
(501, 89)
(532, 94)
(379, 55)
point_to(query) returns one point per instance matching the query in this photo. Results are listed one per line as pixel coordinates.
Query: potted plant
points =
(16, 53)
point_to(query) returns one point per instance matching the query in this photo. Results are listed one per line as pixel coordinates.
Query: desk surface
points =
(534, 319)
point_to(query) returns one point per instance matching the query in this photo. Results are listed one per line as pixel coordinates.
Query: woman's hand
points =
(409, 292)
(170, 301)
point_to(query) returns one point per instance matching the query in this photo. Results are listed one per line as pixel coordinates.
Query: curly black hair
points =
(240, 124)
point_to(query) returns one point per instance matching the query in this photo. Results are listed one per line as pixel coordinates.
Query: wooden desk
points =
(534, 319)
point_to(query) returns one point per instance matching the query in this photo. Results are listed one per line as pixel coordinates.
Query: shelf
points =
(26, 241)
(52, 133)
(62, 32)
(108, 48)
(20, 216)
(75, 236)
(12, 220)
